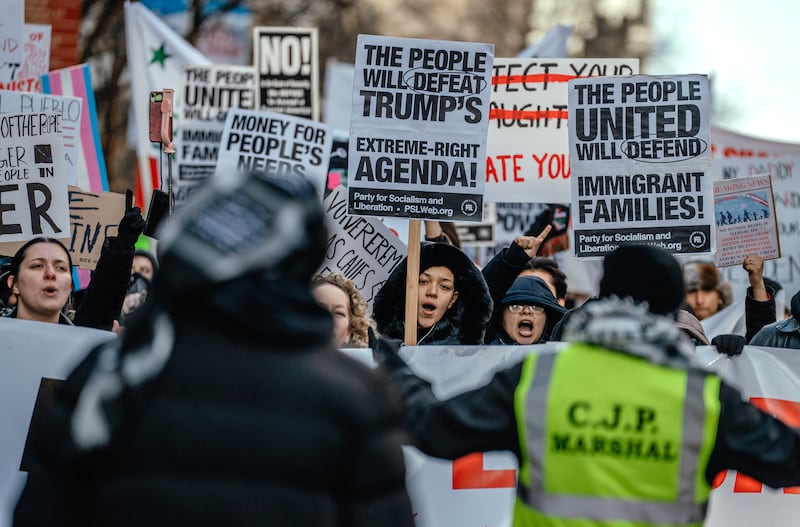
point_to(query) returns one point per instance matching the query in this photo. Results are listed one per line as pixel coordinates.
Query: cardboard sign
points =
(528, 145)
(33, 188)
(362, 249)
(746, 222)
(640, 164)
(275, 143)
(207, 94)
(70, 108)
(418, 129)
(287, 60)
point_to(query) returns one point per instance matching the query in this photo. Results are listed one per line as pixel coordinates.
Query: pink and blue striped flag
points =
(77, 81)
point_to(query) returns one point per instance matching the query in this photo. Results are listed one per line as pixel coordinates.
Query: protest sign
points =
(33, 181)
(362, 249)
(36, 61)
(92, 218)
(528, 143)
(786, 199)
(287, 61)
(479, 234)
(640, 163)
(746, 221)
(275, 143)
(418, 129)
(208, 93)
(12, 33)
(70, 109)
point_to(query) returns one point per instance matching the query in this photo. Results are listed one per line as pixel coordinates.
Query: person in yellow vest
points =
(620, 428)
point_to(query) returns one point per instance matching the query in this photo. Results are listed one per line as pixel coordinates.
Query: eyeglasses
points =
(517, 308)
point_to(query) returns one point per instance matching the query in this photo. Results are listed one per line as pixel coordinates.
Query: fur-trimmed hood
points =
(464, 323)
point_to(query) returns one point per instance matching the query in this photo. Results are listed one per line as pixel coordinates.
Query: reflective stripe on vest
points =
(678, 490)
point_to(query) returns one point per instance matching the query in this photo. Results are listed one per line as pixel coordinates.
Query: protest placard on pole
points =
(362, 249)
(746, 222)
(785, 172)
(528, 143)
(33, 193)
(70, 109)
(276, 143)
(418, 128)
(641, 163)
(287, 61)
(208, 93)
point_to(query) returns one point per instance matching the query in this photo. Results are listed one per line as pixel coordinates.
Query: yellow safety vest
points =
(612, 440)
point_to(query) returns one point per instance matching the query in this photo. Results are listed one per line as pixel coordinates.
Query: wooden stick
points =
(412, 282)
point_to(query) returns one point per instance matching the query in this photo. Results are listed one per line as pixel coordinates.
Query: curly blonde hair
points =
(359, 320)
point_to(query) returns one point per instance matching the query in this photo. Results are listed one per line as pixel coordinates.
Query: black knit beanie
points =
(645, 274)
(795, 306)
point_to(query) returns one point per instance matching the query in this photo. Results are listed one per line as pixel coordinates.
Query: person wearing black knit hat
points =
(783, 333)
(214, 405)
(623, 404)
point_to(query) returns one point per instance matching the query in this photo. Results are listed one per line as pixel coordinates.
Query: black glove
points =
(730, 345)
(542, 220)
(132, 224)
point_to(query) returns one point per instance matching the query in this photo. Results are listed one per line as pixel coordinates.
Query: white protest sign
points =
(745, 216)
(730, 145)
(33, 355)
(418, 129)
(640, 164)
(275, 143)
(362, 249)
(36, 61)
(12, 33)
(287, 60)
(33, 181)
(70, 109)
(528, 145)
(785, 172)
(208, 93)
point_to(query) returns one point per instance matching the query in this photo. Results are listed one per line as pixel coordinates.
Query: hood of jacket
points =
(627, 327)
(526, 290)
(464, 323)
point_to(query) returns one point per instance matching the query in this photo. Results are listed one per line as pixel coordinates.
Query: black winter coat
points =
(254, 419)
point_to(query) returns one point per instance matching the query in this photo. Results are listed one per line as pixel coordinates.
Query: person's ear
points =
(453, 300)
(11, 283)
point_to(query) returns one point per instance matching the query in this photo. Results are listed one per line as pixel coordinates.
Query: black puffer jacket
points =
(253, 420)
(465, 323)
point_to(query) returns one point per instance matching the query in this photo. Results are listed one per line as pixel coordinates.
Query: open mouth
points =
(428, 309)
(525, 328)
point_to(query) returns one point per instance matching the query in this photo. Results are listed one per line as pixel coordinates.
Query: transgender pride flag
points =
(91, 166)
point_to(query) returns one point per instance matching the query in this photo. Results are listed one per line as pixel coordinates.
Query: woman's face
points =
(337, 303)
(43, 283)
(524, 323)
(437, 294)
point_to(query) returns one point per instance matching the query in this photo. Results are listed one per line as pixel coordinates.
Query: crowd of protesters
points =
(228, 359)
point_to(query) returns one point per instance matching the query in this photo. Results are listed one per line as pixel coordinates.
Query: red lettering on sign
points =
(468, 473)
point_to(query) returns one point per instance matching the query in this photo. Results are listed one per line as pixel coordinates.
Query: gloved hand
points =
(730, 345)
(132, 224)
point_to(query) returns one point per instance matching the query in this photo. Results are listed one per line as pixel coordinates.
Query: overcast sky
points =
(750, 50)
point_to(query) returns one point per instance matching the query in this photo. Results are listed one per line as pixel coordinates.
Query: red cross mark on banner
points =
(786, 411)
(468, 473)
